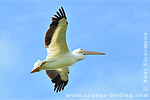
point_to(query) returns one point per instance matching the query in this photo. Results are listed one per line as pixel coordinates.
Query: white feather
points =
(37, 64)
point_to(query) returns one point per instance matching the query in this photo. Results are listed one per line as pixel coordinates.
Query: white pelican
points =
(59, 57)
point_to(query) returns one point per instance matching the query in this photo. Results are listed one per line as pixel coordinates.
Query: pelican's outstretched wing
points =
(59, 77)
(55, 37)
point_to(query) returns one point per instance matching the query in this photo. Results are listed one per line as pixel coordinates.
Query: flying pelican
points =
(59, 57)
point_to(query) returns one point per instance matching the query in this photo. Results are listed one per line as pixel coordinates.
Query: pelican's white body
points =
(59, 61)
(62, 60)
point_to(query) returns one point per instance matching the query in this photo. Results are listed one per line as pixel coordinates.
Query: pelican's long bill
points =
(85, 52)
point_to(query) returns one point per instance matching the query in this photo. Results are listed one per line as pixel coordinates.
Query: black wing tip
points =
(56, 79)
(59, 84)
(59, 15)
(62, 12)
(60, 87)
(61, 7)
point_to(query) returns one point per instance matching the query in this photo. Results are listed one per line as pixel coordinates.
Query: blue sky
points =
(113, 27)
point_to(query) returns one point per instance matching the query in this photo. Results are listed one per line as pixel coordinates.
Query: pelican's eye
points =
(66, 22)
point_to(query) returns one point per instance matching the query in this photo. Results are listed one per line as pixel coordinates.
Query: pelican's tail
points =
(36, 67)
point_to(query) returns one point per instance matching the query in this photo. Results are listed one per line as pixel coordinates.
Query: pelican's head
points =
(79, 53)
